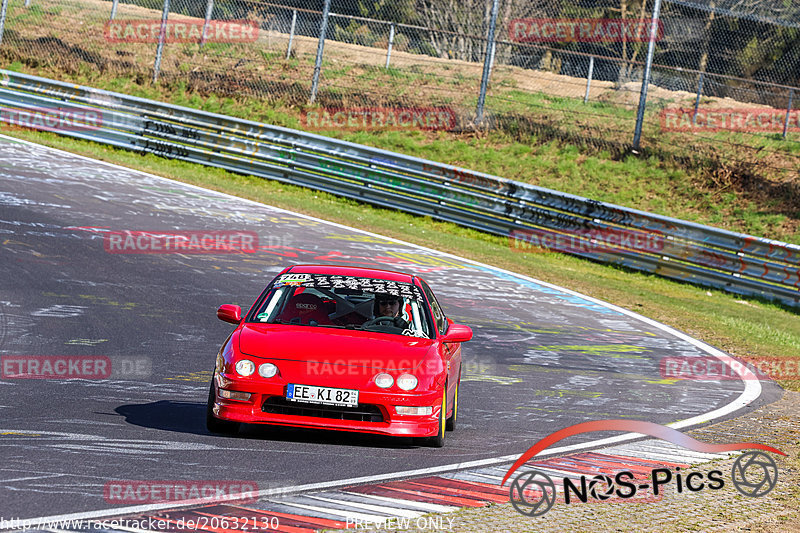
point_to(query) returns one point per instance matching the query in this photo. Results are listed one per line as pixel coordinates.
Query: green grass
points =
(750, 329)
(646, 183)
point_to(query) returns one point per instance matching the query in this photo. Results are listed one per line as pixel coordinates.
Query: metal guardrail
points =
(687, 251)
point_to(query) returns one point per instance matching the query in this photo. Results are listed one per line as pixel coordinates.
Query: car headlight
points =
(384, 380)
(407, 382)
(267, 370)
(245, 367)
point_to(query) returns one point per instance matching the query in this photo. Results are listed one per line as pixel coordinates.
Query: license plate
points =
(326, 395)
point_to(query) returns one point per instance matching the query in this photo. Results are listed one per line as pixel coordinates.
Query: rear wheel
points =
(437, 441)
(214, 424)
(451, 421)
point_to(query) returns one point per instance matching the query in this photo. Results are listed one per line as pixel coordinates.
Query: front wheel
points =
(214, 424)
(437, 441)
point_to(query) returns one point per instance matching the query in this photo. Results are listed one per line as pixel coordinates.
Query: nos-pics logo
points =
(533, 492)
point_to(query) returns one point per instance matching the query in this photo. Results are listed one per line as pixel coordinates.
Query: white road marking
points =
(427, 507)
(328, 510)
(367, 507)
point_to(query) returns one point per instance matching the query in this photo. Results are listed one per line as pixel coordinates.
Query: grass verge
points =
(750, 329)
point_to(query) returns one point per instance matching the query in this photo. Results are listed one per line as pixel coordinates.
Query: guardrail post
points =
(697, 100)
(651, 47)
(291, 34)
(323, 28)
(391, 42)
(162, 36)
(209, 11)
(788, 111)
(3, 10)
(487, 64)
(589, 79)
(113, 9)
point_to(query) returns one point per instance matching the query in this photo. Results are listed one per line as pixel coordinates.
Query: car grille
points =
(361, 413)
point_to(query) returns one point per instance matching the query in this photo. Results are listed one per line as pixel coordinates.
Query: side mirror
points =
(230, 313)
(457, 333)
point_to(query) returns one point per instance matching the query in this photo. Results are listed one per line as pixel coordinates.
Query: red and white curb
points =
(395, 503)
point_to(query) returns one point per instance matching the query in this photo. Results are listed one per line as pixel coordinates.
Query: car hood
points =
(333, 346)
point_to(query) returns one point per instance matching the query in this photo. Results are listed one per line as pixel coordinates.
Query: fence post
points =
(589, 79)
(323, 28)
(113, 9)
(391, 42)
(788, 111)
(651, 47)
(162, 35)
(697, 100)
(3, 10)
(209, 11)
(27, 3)
(487, 64)
(291, 34)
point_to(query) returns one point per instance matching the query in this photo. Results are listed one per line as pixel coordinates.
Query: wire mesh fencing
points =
(723, 74)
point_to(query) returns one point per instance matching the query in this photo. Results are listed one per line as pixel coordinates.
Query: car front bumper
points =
(309, 415)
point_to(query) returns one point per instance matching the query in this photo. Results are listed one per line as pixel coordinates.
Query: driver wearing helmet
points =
(390, 305)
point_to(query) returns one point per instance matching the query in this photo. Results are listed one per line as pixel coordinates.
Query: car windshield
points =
(345, 302)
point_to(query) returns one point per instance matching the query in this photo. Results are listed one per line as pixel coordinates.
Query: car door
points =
(451, 351)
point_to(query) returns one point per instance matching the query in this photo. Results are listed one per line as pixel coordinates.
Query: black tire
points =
(453, 419)
(437, 441)
(214, 424)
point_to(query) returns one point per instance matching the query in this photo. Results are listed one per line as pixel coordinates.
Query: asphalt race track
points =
(542, 359)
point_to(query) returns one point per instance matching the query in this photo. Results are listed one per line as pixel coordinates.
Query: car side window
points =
(438, 314)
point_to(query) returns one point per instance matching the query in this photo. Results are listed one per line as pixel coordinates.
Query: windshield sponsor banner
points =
(720, 119)
(183, 31)
(369, 118)
(159, 491)
(53, 118)
(182, 242)
(356, 284)
(588, 30)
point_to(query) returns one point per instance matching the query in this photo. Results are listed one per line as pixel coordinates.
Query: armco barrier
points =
(691, 252)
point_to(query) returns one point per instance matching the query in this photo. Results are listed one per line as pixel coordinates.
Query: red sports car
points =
(342, 348)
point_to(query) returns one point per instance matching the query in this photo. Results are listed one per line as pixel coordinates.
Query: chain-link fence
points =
(722, 77)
